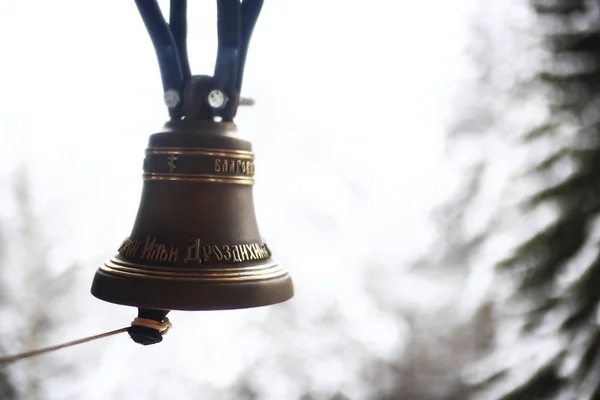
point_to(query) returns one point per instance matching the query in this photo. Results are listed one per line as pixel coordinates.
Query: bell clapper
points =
(150, 326)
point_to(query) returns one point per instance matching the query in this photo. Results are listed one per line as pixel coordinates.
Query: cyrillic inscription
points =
(129, 247)
(158, 252)
(234, 166)
(203, 253)
(195, 251)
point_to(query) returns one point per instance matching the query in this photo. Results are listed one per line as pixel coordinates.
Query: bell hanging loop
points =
(195, 243)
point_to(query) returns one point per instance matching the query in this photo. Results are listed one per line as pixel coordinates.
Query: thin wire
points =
(162, 327)
(33, 353)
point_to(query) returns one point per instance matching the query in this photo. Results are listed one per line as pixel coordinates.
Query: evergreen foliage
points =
(554, 274)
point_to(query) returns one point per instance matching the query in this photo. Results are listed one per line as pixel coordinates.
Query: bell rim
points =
(191, 294)
(205, 274)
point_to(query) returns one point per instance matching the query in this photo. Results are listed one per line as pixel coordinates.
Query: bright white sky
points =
(348, 126)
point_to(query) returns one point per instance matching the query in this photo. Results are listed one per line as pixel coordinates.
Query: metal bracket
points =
(201, 97)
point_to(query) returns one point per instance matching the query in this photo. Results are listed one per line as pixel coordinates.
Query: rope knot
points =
(162, 327)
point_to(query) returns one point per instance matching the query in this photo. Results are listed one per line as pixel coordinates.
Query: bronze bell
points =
(195, 244)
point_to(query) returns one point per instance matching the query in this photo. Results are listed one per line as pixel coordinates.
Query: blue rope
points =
(165, 46)
(178, 25)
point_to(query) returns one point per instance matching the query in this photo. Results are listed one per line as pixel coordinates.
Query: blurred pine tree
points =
(7, 390)
(553, 296)
(35, 302)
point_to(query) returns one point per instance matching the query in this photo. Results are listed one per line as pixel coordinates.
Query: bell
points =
(195, 244)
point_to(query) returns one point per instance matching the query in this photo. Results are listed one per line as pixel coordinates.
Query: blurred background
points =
(437, 209)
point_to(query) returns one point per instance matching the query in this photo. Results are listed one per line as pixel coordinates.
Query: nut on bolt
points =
(171, 98)
(217, 99)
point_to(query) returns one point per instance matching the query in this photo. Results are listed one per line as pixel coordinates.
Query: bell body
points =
(195, 244)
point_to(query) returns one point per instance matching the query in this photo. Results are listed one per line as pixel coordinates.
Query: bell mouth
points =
(202, 289)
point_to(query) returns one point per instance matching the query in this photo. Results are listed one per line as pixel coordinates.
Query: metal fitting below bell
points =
(195, 244)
